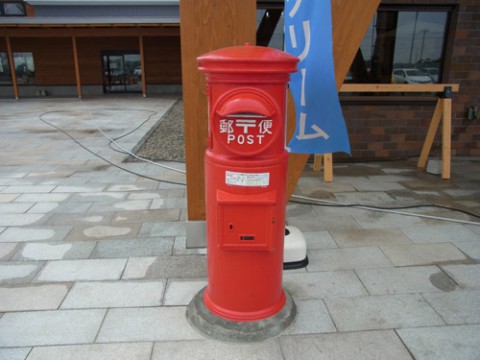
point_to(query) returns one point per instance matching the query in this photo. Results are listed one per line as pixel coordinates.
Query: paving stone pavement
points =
(93, 263)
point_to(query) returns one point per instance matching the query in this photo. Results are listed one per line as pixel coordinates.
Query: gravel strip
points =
(165, 142)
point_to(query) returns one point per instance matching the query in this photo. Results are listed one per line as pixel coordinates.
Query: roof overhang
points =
(101, 2)
(56, 21)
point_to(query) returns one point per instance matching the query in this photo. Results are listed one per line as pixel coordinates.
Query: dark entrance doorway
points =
(122, 72)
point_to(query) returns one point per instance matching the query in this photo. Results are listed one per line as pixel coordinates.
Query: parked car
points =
(432, 72)
(410, 76)
(138, 71)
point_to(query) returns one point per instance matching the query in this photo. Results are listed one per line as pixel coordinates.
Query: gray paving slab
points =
(382, 220)
(30, 189)
(389, 178)
(163, 267)
(38, 328)
(77, 189)
(48, 174)
(423, 254)
(167, 228)
(26, 234)
(369, 197)
(319, 240)
(7, 250)
(127, 205)
(19, 219)
(440, 233)
(6, 198)
(443, 342)
(457, 307)
(32, 297)
(312, 318)
(133, 248)
(81, 270)
(100, 197)
(366, 345)
(405, 280)
(43, 207)
(16, 208)
(125, 187)
(347, 259)
(14, 353)
(97, 232)
(305, 218)
(181, 292)
(18, 272)
(58, 250)
(91, 218)
(474, 228)
(470, 249)
(376, 184)
(467, 276)
(330, 212)
(159, 215)
(180, 247)
(137, 267)
(320, 285)
(107, 294)
(169, 203)
(381, 312)
(144, 195)
(146, 324)
(210, 349)
(426, 184)
(134, 351)
(72, 207)
(369, 237)
(167, 193)
(35, 198)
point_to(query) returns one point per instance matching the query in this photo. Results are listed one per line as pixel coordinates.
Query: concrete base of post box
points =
(196, 234)
(218, 328)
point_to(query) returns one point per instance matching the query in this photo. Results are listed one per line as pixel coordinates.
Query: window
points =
(12, 8)
(270, 23)
(403, 45)
(24, 67)
(5, 74)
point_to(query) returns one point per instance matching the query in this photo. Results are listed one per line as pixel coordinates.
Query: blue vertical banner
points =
(320, 125)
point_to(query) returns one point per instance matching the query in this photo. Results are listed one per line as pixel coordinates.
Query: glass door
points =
(121, 72)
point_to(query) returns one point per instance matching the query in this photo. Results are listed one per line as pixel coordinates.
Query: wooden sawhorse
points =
(443, 111)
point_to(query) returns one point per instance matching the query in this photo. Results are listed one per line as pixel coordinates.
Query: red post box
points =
(245, 166)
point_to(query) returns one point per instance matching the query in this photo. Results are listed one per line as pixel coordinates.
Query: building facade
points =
(437, 38)
(94, 47)
(84, 48)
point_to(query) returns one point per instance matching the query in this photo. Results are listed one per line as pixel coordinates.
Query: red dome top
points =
(247, 58)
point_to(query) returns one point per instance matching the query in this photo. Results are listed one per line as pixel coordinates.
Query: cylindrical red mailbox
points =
(245, 166)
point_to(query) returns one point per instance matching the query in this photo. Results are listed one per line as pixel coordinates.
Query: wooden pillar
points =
(350, 21)
(12, 67)
(205, 25)
(142, 65)
(77, 67)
